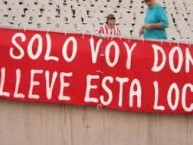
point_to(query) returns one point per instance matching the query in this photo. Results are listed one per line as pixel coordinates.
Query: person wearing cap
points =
(156, 21)
(110, 27)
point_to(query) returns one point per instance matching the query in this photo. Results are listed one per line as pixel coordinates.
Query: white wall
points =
(52, 124)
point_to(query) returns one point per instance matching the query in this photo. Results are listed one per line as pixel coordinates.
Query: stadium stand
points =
(85, 16)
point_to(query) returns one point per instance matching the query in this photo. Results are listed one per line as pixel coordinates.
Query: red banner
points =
(123, 74)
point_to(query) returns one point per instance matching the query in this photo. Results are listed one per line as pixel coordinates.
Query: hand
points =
(141, 31)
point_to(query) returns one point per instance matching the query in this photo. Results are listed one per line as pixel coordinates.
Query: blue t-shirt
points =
(156, 14)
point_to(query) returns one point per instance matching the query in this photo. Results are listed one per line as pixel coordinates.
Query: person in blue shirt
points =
(156, 21)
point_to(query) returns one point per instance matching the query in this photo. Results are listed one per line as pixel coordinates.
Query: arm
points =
(153, 26)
